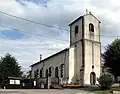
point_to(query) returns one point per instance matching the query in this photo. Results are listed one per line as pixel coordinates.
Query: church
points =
(78, 64)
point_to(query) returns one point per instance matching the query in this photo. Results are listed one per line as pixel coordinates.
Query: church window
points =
(41, 73)
(62, 70)
(75, 45)
(91, 27)
(76, 29)
(46, 73)
(36, 73)
(56, 72)
(50, 71)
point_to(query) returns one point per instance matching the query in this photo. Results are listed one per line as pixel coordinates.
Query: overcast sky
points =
(27, 40)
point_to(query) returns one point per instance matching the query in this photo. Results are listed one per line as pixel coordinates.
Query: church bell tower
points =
(84, 52)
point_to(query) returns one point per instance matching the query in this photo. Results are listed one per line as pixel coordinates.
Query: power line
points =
(33, 21)
(64, 41)
(46, 24)
(52, 38)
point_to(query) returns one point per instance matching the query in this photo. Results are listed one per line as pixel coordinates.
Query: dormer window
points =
(76, 29)
(91, 27)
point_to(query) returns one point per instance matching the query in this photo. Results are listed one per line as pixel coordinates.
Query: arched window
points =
(92, 78)
(41, 73)
(91, 27)
(36, 73)
(56, 72)
(50, 71)
(46, 73)
(76, 29)
(62, 70)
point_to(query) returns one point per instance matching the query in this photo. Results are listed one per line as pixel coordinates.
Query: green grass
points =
(116, 89)
(107, 91)
(103, 92)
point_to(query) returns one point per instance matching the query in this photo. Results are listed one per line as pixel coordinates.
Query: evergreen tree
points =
(9, 67)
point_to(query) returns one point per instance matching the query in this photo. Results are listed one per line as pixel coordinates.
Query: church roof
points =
(50, 57)
(81, 17)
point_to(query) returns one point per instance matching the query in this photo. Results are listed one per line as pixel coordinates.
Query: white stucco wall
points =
(76, 38)
(89, 62)
(55, 61)
(38, 66)
(76, 44)
(88, 52)
(83, 49)
(97, 60)
(92, 48)
(78, 59)
(71, 65)
(90, 19)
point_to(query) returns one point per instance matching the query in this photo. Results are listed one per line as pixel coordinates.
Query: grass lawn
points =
(116, 89)
(107, 91)
(103, 92)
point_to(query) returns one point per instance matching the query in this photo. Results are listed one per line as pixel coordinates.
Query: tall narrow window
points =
(91, 27)
(41, 73)
(36, 73)
(50, 71)
(62, 70)
(46, 73)
(76, 29)
(56, 72)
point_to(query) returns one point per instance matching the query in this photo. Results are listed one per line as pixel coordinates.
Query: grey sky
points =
(59, 13)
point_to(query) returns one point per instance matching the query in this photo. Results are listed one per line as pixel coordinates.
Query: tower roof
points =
(81, 17)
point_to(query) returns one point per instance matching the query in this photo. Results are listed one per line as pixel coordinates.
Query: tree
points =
(112, 57)
(27, 75)
(9, 67)
(105, 81)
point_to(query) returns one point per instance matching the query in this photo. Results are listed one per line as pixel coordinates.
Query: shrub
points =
(105, 81)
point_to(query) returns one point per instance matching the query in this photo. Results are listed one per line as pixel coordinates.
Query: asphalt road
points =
(45, 91)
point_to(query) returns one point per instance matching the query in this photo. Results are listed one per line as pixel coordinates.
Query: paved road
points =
(53, 91)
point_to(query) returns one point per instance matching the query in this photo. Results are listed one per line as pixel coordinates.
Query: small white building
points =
(80, 63)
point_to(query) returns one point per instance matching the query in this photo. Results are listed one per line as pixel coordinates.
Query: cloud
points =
(38, 39)
(27, 51)
(4, 29)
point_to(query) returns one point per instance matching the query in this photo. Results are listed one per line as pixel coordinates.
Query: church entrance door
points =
(92, 78)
